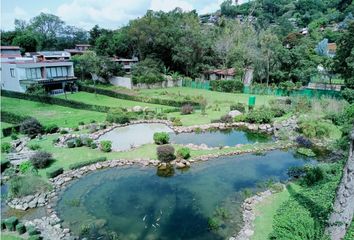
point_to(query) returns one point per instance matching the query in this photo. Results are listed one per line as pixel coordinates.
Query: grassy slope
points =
(91, 98)
(48, 114)
(10, 236)
(216, 100)
(265, 212)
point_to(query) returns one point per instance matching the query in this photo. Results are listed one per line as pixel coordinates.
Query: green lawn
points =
(10, 236)
(91, 98)
(218, 102)
(265, 212)
(49, 114)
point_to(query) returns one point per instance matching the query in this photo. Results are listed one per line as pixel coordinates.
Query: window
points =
(12, 71)
(33, 73)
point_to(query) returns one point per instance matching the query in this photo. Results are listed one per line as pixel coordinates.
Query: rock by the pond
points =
(234, 113)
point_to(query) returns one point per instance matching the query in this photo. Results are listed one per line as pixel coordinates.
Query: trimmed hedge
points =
(110, 93)
(226, 85)
(55, 172)
(55, 101)
(85, 163)
(13, 118)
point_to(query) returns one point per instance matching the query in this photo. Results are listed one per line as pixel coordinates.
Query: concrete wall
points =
(122, 82)
(128, 83)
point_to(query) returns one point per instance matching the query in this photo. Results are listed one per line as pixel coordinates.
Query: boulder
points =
(137, 109)
(234, 113)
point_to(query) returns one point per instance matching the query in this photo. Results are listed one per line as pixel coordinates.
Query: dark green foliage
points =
(14, 136)
(161, 138)
(160, 101)
(226, 85)
(147, 71)
(11, 223)
(63, 131)
(261, 115)
(187, 109)
(31, 127)
(32, 231)
(6, 147)
(3, 226)
(106, 146)
(55, 172)
(35, 237)
(117, 116)
(12, 117)
(41, 159)
(305, 214)
(313, 174)
(348, 94)
(239, 107)
(93, 145)
(70, 143)
(4, 164)
(184, 153)
(34, 147)
(20, 228)
(165, 153)
(53, 128)
(86, 163)
(225, 119)
(303, 142)
(313, 129)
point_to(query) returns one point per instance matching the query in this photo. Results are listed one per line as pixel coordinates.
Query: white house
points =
(127, 63)
(17, 72)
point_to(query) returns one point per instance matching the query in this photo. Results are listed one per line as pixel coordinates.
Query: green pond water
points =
(137, 203)
(124, 138)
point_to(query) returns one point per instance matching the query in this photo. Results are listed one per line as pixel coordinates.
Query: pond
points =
(136, 203)
(124, 138)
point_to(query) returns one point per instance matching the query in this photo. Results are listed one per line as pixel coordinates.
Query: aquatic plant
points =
(184, 153)
(306, 151)
(161, 138)
(213, 223)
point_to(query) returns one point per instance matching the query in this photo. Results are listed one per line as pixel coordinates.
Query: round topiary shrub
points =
(106, 146)
(31, 127)
(41, 159)
(184, 153)
(161, 138)
(165, 153)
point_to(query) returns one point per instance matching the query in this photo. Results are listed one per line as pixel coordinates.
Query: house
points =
(127, 63)
(49, 55)
(17, 72)
(331, 49)
(219, 74)
(79, 49)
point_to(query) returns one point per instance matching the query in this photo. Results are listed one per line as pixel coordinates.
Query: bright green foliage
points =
(306, 151)
(106, 146)
(86, 163)
(315, 128)
(348, 94)
(147, 71)
(117, 116)
(26, 167)
(304, 215)
(34, 147)
(261, 115)
(161, 138)
(184, 153)
(55, 172)
(6, 147)
(227, 85)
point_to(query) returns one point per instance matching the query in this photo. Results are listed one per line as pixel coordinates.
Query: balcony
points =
(49, 80)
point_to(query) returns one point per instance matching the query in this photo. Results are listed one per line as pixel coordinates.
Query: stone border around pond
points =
(51, 225)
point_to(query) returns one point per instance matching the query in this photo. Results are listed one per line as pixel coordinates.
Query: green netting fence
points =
(311, 93)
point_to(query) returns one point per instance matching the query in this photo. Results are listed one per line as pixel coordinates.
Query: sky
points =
(110, 14)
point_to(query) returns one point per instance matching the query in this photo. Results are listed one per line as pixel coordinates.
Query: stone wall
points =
(343, 209)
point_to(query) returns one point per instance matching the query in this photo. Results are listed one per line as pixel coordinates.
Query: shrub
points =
(35, 237)
(165, 153)
(93, 145)
(106, 146)
(32, 231)
(14, 136)
(213, 223)
(3, 226)
(52, 128)
(25, 167)
(306, 151)
(41, 159)
(117, 116)
(240, 118)
(20, 186)
(78, 142)
(296, 172)
(313, 174)
(11, 223)
(239, 107)
(34, 147)
(184, 153)
(81, 123)
(63, 131)
(313, 128)
(20, 228)
(226, 119)
(31, 127)
(86, 141)
(187, 109)
(6, 147)
(70, 143)
(261, 115)
(161, 138)
(226, 85)
(55, 172)
(348, 94)
(177, 122)
(85, 163)
(304, 142)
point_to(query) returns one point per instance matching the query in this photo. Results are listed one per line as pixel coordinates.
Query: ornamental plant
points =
(161, 138)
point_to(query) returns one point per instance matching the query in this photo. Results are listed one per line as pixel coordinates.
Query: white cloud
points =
(8, 18)
(20, 12)
(106, 13)
(168, 5)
